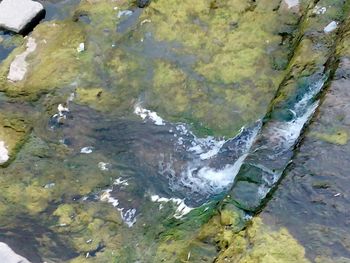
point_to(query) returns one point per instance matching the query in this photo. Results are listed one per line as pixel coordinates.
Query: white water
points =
(181, 208)
(147, 114)
(198, 176)
(128, 215)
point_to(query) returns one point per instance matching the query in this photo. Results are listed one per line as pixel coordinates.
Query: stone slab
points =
(16, 15)
(9, 256)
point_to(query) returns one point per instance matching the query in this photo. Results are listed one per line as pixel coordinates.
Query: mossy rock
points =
(54, 63)
(13, 132)
(339, 137)
(261, 243)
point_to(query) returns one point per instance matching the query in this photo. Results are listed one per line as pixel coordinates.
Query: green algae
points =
(14, 130)
(231, 99)
(339, 137)
(88, 225)
(56, 46)
(261, 243)
(227, 55)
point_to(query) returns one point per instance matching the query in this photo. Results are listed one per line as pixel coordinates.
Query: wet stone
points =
(9, 256)
(16, 15)
(143, 3)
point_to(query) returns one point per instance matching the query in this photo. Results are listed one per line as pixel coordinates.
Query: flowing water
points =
(136, 131)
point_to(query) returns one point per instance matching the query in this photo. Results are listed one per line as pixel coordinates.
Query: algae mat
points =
(124, 136)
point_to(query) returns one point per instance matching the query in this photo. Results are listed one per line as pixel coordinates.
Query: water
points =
(168, 115)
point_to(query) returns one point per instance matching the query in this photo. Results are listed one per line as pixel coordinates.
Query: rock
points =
(330, 27)
(4, 154)
(16, 15)
(9, 256)
(142, 3)
(18, 67)
(291, 3)
(81, 47)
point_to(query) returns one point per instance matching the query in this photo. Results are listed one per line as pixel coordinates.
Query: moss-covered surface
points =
(228, 43)
(56, 46)
(261, 243)
(14, 130)
(214, 64)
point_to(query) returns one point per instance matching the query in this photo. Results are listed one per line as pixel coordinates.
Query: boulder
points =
(17, 15)
(9, 256)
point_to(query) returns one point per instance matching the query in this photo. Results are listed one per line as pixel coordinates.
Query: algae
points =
(260, 243)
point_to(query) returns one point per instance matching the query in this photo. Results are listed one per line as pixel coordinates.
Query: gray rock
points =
(19, 65)
(16, 15)
(9, 256)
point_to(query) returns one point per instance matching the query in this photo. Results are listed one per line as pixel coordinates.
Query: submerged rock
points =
(13, 132)
(143, 3)
(260, 243)
(16, 15)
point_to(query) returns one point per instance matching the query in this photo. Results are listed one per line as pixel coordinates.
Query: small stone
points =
(4, 154)
(291, 3)
(16, 15)
(49, 185)
(81, 47)
(87, 149)
(330, 27)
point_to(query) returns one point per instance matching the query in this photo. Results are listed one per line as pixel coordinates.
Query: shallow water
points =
(166, 117)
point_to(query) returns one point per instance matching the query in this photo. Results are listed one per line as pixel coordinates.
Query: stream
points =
(191, 131)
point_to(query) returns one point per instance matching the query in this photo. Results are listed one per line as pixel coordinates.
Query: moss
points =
(231, 79)
(339, 137)
(97, 98)
(65, 213)
(260, 243)
(13, 132)
(89, 226)
(56, 46)
(15, 40)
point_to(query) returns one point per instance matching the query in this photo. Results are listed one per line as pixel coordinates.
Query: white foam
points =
(103, 166)
(285, 134)
(331, 27)
(196, 175)
(106, 197)
(62, 110)
(147, 114)
(4, 154)
(210, 180)
(318, 10)
(128, 215)
(120, 181)
(124, 13)
(206, 147)
(86, 150)
(181, 208)
(314, 89)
